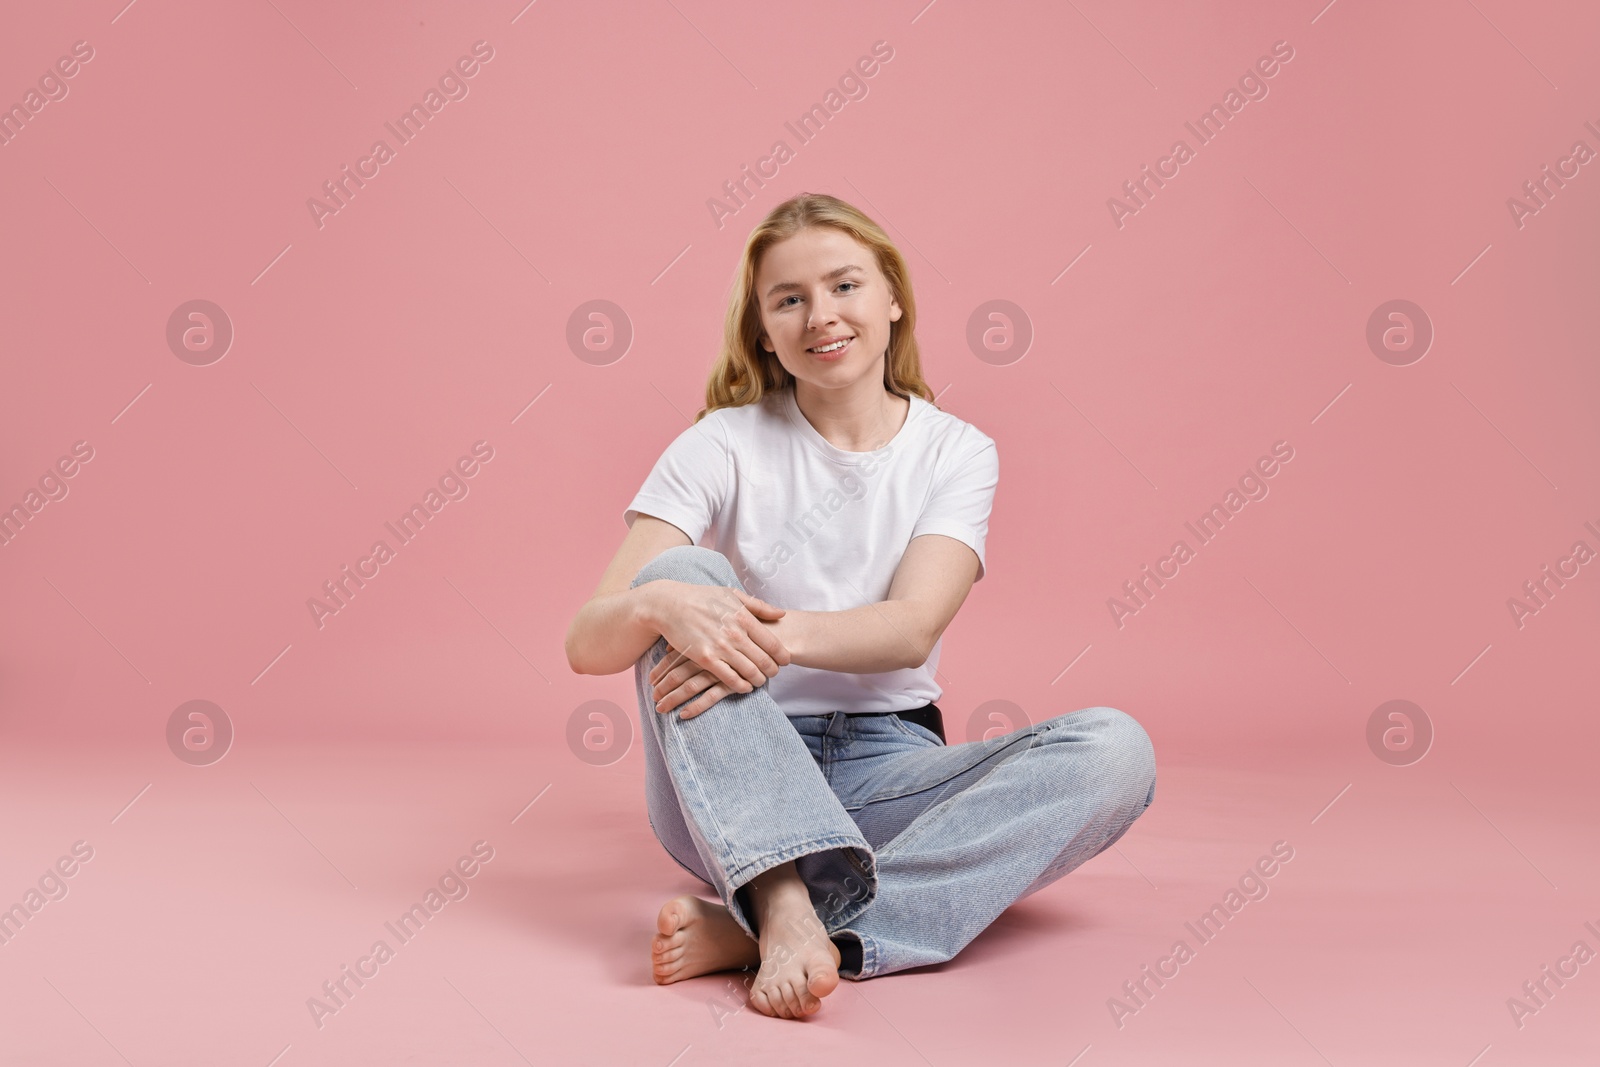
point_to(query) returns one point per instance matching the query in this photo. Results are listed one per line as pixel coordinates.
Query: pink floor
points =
(218, 903)
(344, 368)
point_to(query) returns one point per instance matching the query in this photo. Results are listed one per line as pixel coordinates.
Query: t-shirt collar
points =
(791, 408)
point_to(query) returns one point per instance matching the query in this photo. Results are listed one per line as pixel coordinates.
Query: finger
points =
(673, 672)
(665, 656)
(767, 643)
(685, 691)
(758, 606)
(680, 674)
(746, 676)
(673, 697)
(765, 650)
(666, 663)
(704, 702)
(667, 683)
(707, 691)
(673, 659)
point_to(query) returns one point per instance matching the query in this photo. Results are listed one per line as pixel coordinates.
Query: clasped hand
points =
(735, 643)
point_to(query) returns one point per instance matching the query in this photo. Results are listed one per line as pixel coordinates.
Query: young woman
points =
(790, 565)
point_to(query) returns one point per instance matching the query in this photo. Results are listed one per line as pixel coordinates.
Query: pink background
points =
(431, 312)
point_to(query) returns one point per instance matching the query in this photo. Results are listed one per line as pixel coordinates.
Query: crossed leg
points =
(915, 855)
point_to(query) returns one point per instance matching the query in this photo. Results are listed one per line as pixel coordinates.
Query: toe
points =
(791, 1001)
(673, 916)
(822, 981)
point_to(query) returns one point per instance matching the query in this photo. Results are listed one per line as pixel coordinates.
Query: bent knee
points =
(688, 563)
(1128, 753)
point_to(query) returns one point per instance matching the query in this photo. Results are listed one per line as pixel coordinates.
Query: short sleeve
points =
(689, 483)
(960, 503)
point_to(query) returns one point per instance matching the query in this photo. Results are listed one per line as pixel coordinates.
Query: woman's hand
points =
(719, 641)
(678, 678)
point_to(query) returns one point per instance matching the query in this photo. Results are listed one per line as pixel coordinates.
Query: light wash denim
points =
(909, 847)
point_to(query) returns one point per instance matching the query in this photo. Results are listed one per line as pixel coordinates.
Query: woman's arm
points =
(929, 586)
(618, 623)
(724, 627)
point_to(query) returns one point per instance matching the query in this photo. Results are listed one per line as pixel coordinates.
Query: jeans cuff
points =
(855, 851)
(850, 958)
(859, 955)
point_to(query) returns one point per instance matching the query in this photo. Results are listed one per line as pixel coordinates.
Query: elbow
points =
(923, 643)
(574, 653)
(918, 657)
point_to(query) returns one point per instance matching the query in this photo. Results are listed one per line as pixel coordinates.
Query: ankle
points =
(778, 884)
(778, 894)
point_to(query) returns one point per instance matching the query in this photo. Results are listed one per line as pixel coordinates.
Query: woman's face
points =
(817, 288)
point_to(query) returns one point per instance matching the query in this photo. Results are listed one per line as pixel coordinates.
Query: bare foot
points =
(799, 962)
(696, 937)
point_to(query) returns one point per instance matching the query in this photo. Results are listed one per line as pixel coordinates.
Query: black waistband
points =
(929, 717)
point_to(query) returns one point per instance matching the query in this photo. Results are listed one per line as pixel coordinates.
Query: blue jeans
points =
(909, 847)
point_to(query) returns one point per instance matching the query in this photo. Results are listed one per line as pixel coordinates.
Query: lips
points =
(836, 353)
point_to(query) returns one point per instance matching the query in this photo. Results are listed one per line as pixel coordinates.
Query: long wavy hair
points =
(744, 373)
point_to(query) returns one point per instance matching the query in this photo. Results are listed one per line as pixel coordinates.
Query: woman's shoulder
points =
(738, 421)
(952, 432)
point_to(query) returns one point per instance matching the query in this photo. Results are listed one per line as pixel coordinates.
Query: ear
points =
(894, 310)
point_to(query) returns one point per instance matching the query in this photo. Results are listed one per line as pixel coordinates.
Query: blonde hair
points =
(744, 373)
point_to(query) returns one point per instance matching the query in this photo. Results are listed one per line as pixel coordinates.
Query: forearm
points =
(871, 639)
(610, 633)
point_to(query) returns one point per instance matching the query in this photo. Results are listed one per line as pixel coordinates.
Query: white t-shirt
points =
(812, 527)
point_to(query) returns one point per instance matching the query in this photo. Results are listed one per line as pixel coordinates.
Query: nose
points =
(822, 312)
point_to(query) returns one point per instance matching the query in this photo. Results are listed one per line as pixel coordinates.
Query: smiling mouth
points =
(833, 348)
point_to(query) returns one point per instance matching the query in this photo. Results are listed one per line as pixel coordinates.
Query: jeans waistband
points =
(929, 717)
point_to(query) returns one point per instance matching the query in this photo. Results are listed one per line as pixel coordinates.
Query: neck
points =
(856, 419)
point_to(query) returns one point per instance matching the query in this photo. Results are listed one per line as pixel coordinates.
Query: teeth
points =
(833, 347)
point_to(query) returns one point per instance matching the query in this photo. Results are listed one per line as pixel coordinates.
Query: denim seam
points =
(869, 954)
(877, 798)
(694, 780)
(738, 878)
(912, 728)
(920, 824)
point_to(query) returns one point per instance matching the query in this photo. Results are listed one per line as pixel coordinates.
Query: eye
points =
(786, 300)
(853, 285)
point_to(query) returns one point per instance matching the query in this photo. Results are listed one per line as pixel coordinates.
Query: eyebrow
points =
(832, 274)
